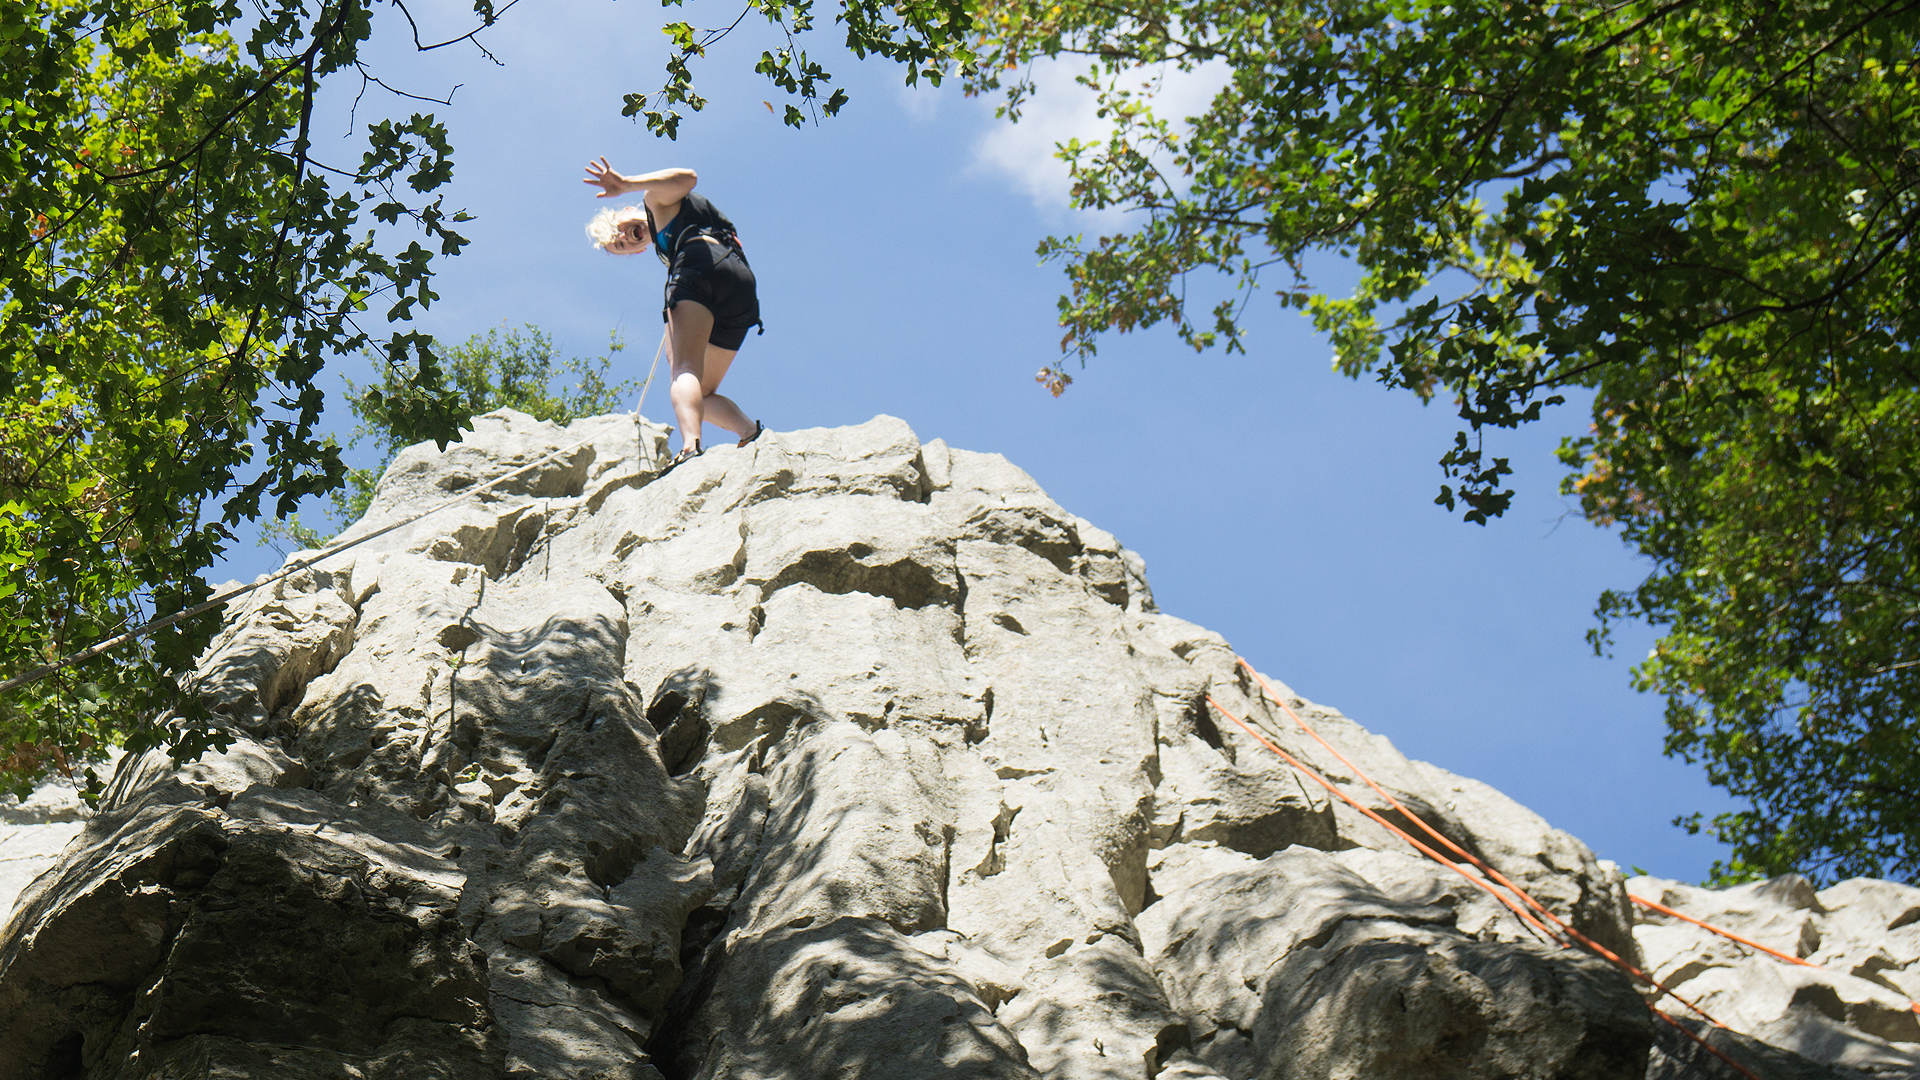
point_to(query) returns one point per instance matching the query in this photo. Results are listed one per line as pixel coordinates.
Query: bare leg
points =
(694, 382)
(720, 409)
(689, 324)
(722, 412)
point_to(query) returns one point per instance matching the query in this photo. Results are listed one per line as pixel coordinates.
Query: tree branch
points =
(489, 21)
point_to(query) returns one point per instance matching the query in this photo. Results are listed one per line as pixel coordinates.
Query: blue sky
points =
(1284, 506)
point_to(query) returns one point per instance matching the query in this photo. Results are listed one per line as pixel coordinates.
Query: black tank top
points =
(697, 217)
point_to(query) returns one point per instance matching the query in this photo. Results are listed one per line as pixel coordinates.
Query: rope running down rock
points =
(1731, 936)
(1430, 853)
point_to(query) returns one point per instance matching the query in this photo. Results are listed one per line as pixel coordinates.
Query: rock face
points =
(1853, 1013)
(841, 755)
(32, 835)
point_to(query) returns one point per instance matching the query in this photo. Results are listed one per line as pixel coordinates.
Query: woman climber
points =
(710, 299)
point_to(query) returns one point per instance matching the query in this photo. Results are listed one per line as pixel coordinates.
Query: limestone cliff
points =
(841, 755)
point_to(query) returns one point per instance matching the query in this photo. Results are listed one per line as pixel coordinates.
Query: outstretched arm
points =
(663, 189)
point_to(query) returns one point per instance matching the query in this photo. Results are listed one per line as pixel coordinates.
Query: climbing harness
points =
(697, 217)
(1560, 937)
(308, 563)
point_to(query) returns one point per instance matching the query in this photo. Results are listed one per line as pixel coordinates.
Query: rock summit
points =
(841, 755)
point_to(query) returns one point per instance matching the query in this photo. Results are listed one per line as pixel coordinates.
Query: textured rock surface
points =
(32, 835)
(841, 755)
(1853, 1013)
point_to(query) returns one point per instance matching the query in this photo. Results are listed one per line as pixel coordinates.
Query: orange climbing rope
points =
(1731, 936)
(1557, 938)
(1702, 1043)
(1314, 775)
(1441, 837)
(1492, 873)
(1509, 904)
(1728, 934)
(1517, 891)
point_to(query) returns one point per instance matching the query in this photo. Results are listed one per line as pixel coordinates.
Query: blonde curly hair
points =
(604, 229)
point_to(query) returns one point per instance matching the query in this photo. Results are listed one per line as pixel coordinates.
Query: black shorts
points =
(718, 278)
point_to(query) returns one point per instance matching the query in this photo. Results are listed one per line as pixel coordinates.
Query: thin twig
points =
(490, 20)
(367, 77)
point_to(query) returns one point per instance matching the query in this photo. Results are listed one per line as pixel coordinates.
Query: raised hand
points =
(610, 182)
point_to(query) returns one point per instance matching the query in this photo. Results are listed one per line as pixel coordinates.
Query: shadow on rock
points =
(850, 997)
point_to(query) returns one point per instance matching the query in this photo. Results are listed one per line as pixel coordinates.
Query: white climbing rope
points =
(639, 430)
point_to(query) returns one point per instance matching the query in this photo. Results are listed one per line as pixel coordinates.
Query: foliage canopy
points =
(510, 369)
(175, 267)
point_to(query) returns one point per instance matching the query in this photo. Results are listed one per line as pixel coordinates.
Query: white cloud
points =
(1062, 109)
(921, 101)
